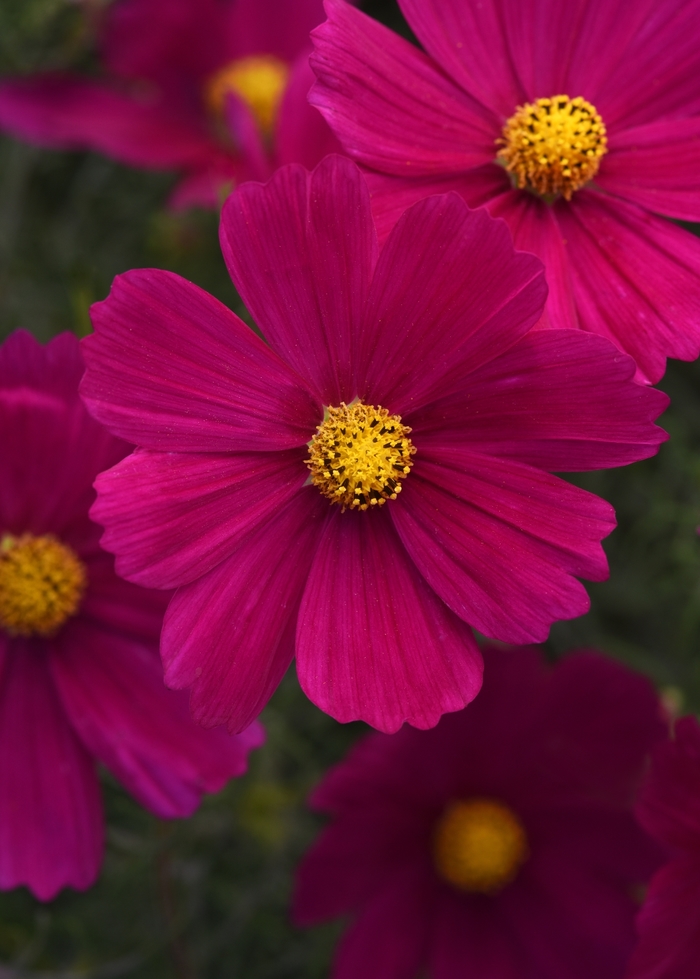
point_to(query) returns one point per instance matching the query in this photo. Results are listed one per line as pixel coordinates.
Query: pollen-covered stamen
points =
(359, 455)
(479, 845)
(553, 146)
(259, 80)
(42, 583)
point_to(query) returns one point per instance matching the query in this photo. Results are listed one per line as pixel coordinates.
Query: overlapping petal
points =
(204, 381)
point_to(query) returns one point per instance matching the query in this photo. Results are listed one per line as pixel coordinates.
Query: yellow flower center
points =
(479, 845)
(259, 80)
(42, 583)
(553, 146)
(359, 454)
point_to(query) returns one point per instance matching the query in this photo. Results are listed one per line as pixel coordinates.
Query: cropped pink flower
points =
(89, 689)
(669, 809)
(217, 500)
(428, 123)
(499, 845)
(166, 99)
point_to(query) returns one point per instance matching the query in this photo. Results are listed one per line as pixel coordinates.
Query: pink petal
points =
(247, 138)
(230, 635)
(172, 517)
(656, 166)
(561, 400)
(373, 641)
(118, 605)
(113, 693)
(635, 277)
(470, 938)
(469, 43)
(169, 367)
(391, 196)
(302, 135)
(669, 924)
(389, 105)
(51, 833)
(301, 251)
(54, 368)
(500, 542)
(389, 939)
(438, 311)
(69, 112)
(208, 185)
(273, 26)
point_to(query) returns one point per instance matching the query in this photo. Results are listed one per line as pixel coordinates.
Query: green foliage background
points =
(208, 898)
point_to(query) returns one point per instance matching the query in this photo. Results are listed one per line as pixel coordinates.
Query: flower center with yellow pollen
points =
(259, 80)
(479, 845)
(359, 455)
(42, 583)
(553, 146)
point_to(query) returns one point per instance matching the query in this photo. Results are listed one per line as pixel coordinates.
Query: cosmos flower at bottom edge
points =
(245, 495)
(669, 809)
(502, 842)
(80, 678)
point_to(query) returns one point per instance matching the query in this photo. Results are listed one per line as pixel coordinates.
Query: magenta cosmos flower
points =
(669, 808)
(403, 377)
(80, 678)
(500, 844)
(577, 122)
(215, 89)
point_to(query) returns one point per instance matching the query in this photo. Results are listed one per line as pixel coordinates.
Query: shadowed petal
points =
(669, 803)
(172, 517)
(230, 635)
(374, 643)
(301, 251)
(51, 822)
(302, 135)
(113, 603)
(470, 938)
(500, 542)
(169, 367)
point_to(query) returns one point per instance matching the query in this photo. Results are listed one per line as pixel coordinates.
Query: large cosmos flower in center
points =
(375, 479)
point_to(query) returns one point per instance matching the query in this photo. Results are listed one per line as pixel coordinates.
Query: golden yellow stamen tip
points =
(553, 146)
(259, 81)
(479, 845)
(359, 454)
(42, 583)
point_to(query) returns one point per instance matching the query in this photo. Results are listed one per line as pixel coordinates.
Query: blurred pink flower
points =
(669, 809)
(80, 678)
(428, 123)
(244, 449)
(215, 89)
(500, 844)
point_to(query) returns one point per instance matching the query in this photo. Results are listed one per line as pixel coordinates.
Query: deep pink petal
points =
(208, 185)
(54, 368)
(170, 368)
(115, 604)
(636, 279)
(374, 643)
(389, 938)
(112, 689)
(669, 804)
(669, 924)
(436, 312)
(470, 938)
(656, 166)
(172, 517)
(69, 112)
(561, 400)
(302, 135)
(301, 251)
(51, 822)
(500, 542)
(247, 138)
(273, 26)
(230, 635)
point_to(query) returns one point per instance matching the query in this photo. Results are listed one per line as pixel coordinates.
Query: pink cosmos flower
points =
(375, 476)
(669, 809)
(80, 678)
(215, 89)
(500, 844)
(592, 110)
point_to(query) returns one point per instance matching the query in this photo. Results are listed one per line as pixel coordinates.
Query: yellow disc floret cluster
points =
(359, 455)
(479, 845)
(259, 81)
(42, 583)
(553, 146)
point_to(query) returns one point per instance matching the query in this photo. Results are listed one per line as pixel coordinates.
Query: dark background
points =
(208, 897)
